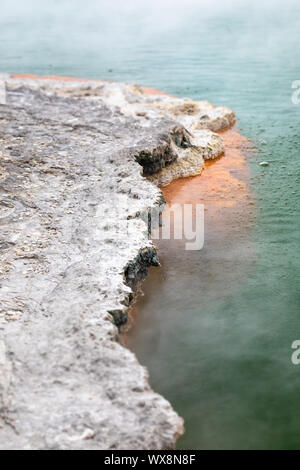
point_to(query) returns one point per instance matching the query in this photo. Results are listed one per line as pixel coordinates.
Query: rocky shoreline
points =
(81, 161)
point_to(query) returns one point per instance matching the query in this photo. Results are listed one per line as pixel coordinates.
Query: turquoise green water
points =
(216, 335)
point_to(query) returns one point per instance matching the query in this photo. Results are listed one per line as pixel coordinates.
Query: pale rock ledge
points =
(77, 166)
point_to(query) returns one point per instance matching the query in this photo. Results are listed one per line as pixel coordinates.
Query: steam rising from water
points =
(218, 343)
(100, 38)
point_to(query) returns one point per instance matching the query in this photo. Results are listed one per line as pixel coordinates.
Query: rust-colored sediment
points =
(145, 90)
(222, 184)
(223, 188)
(25, 76)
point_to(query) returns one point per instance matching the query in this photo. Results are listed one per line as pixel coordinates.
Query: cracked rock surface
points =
(78, 163)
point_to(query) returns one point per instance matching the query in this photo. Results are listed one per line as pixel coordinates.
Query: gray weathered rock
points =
(72, 249)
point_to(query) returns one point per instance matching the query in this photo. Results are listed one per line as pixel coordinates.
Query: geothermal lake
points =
(215, 326)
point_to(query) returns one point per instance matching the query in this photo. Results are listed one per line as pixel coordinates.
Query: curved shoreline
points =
(222, 185)
(161, 418)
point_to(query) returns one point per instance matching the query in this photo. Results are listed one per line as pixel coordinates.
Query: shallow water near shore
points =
(214, 327)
